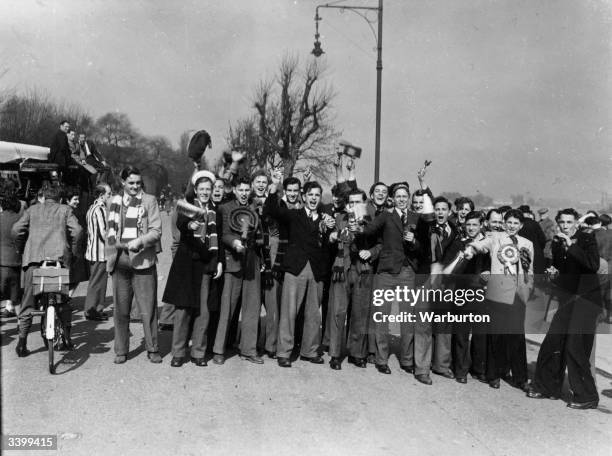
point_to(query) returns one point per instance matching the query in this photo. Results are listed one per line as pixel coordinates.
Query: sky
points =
(504, 97)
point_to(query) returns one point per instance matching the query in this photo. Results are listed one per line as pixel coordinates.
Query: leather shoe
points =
(480, 377)
(583, 405)
(371, 359)
(154, 357)
(219, 359)
(252, 359)
(533, 393)
(201, 362)
(177, 361)
(359, 362)
(271, 355)
(314, 360)
(21, 349)
(462, 380)
(120, 359)
(335, 363)
(494, 383)
(284, 362)
(383, 368)
(95, 316)
(409, 369)
(424, 379)
(446, 374)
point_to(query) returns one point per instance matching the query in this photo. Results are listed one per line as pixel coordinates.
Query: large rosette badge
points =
(508, 254)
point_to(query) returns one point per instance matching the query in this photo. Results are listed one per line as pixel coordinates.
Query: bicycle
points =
(51, 295)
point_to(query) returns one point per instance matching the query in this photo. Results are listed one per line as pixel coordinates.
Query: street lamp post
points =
(318, 51)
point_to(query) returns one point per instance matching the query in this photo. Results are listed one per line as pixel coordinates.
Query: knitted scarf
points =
(133, 218)
(209, 231)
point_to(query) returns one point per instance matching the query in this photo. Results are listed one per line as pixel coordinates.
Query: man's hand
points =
(238, 247)
(194, 226)
(307, 174)
(350, 164)
(333, 237)
(237, 156)
(408, 236)
(365, 255)
(469, 252)
(134, 245)
(219, 272)
(484, 276)
(329, 221)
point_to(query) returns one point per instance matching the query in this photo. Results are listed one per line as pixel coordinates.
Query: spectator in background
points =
(96, 238)
(78, 265)
(10, 259)
(603, 236)
(59, 152)
(532, 231)
(548, 228)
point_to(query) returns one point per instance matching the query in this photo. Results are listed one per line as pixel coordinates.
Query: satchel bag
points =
(50, 279)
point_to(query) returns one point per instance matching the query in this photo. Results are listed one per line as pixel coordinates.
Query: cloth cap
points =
(543, 211)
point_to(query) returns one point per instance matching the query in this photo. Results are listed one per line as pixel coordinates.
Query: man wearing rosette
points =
(508, 290)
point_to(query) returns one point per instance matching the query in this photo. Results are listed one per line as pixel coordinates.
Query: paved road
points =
(96, 407)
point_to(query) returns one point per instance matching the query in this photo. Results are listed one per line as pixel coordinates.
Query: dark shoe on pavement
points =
(219, 359)
(154, 357)
(314, 360)
(165, 327)
(95, 316)
(462, 380)
(383, 368)
(371, 359)
(359, 362)
(446, 374)
(583, 405)
(533, 393)
(480, 377)
(21, 349)
(120, 359)
(252, 359)
(284, 362)
(201, 362)
(335, 363)
(271, 355)
(425, 379)
(177, 361)
(494, 383)
(409, 369)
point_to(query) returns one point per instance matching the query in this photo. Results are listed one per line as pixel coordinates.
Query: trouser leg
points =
(360, 307)
(122, 297)
(312, 316)
(180, 330)
(144, 283)
(27, 303)
(251, 307)
(96, 289)
(336, 311)
(294, 289)
(229, 299)
(166, 316)
(272, 302)
(199, 336)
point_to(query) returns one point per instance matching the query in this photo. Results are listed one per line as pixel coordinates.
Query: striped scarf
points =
(133, 217)
(209, 231)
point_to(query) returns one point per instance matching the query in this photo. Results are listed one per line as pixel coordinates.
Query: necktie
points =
(514, 239)
(404, 218)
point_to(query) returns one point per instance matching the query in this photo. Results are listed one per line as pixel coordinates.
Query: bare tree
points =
(294, 119)
(115, 128)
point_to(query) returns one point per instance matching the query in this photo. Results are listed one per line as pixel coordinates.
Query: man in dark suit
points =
(242, 280)
(604, 243)
(59, 152)
(532, 231)
(305, 266)
(403, 237)
(570, 338)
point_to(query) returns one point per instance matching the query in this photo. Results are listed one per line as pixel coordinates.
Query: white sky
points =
(504, 97)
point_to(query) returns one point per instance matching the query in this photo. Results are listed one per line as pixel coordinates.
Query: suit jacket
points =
(47, 231)
(503, 286)
(59, 152)
(396, 252)
(149, 233)
(234, 261)
(577, 265)
(604, 245)
(532, 231)
(306, 244)
(9, 255)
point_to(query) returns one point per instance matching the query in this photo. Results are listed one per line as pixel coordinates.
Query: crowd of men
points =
(242, 242)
